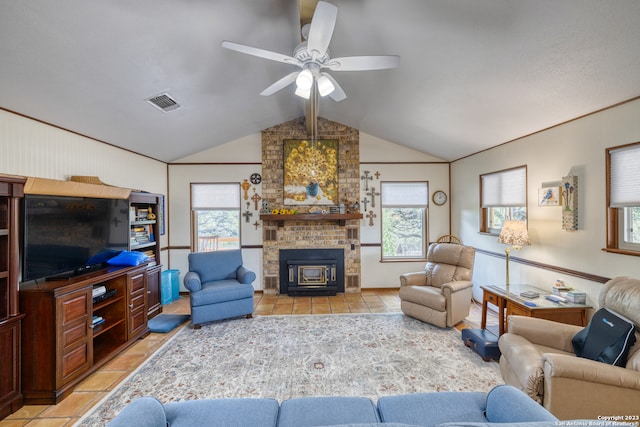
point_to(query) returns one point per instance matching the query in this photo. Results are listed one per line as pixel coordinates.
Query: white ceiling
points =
(473, 73)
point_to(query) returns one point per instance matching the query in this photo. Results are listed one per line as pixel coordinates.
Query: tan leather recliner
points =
(441, 294)
(537, 357)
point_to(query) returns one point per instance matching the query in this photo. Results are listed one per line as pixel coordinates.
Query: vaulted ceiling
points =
(473, 73)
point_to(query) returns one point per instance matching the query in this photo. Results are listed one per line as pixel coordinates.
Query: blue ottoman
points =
(482, 342)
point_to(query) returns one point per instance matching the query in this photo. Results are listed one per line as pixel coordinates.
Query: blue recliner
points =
(220, 286)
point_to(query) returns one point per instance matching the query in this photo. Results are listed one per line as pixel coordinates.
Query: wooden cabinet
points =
(154, 301)
(11, 191)
(144, 223)
(66, 335)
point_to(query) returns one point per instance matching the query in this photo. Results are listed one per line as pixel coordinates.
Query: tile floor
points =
(101, 382)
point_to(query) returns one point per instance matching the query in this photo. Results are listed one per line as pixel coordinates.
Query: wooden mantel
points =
(340, 218)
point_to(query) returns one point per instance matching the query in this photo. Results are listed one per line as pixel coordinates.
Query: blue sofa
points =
(503, 404)
(220, 286)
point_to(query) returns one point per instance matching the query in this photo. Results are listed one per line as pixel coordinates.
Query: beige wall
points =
(574, 148)
(393, 161)
(31, 148)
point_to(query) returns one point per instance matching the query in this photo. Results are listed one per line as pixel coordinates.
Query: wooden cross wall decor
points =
(373, 195)
(246, 215)
(366, 179)
(256, 224)
(256, 198)
(365, 202)
(377, 174)
(370, 215)
(245, 186)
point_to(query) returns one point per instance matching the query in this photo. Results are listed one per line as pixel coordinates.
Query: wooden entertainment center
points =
(53, 332)
(60, 346)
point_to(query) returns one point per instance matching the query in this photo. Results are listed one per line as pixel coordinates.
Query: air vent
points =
(164, 102)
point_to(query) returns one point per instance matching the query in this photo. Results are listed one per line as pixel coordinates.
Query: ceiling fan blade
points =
(363, 63)
(321, 29)
(280, 84)
(337, 94)
(261, 53)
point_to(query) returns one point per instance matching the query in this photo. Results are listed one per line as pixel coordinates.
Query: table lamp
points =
(514, 234)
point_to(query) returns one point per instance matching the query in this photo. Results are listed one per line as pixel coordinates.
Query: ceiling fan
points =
(312, 56)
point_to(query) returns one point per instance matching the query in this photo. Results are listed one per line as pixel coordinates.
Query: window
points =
(216, 216)
(623, 199)
(404, 220)
(503, 195)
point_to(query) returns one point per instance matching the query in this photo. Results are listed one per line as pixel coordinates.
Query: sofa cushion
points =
(228, 412)
(329, 410)
(221, 291)
(431, 409)
(507, 404)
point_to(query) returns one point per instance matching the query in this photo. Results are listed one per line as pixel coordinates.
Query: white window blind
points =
(215, 196)
(405, 194)
(624, 184)
(505, 189)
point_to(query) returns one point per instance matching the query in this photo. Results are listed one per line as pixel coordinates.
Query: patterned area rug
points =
(370, 355)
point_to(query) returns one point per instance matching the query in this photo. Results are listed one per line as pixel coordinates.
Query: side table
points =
(509, 301)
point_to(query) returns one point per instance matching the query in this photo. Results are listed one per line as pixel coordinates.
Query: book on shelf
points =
(97, 320)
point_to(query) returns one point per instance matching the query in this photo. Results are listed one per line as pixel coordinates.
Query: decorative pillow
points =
(128, 258)
(607, 338)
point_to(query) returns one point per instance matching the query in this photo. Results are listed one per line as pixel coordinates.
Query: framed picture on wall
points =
(310, 172)
(549, 196)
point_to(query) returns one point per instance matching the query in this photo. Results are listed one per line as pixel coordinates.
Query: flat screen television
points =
(65, 236)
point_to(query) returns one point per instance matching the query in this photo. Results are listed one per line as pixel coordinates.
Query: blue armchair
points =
(220, 287)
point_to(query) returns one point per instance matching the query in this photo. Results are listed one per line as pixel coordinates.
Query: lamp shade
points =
(325, 87)
(304, 80)
(514, 233)
(303, 93)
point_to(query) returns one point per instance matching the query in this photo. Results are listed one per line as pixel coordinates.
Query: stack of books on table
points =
(96, 321)
(576, 297)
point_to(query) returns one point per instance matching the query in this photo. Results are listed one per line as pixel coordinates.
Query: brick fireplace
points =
(318, 234)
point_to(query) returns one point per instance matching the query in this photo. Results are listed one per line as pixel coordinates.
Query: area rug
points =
(370, 355)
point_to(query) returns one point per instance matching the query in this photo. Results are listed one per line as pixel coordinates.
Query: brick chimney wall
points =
(310, 234)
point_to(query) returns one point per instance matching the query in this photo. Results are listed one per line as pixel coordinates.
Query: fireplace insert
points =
(311, 271)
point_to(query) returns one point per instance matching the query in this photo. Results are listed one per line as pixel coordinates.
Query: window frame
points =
(425, 222)
(485, 212)
(195, 247)
(616, 216)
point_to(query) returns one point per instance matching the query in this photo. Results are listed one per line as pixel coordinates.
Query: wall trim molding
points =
(548, 267)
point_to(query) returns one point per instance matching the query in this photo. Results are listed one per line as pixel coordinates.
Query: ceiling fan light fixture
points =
(325, 87)
(303, 93)
(304, 80)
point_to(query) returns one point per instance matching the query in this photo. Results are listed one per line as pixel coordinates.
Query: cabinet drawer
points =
(75, 307)
(75, 361)
(137, 283)
(137, 302)
(138, 320)
(73, 334)
(493, 299)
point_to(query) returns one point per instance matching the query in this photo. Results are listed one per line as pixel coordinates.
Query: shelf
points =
(339, 218)
(144, 222)
(142, 245)
(97, 306)
(105, 326)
